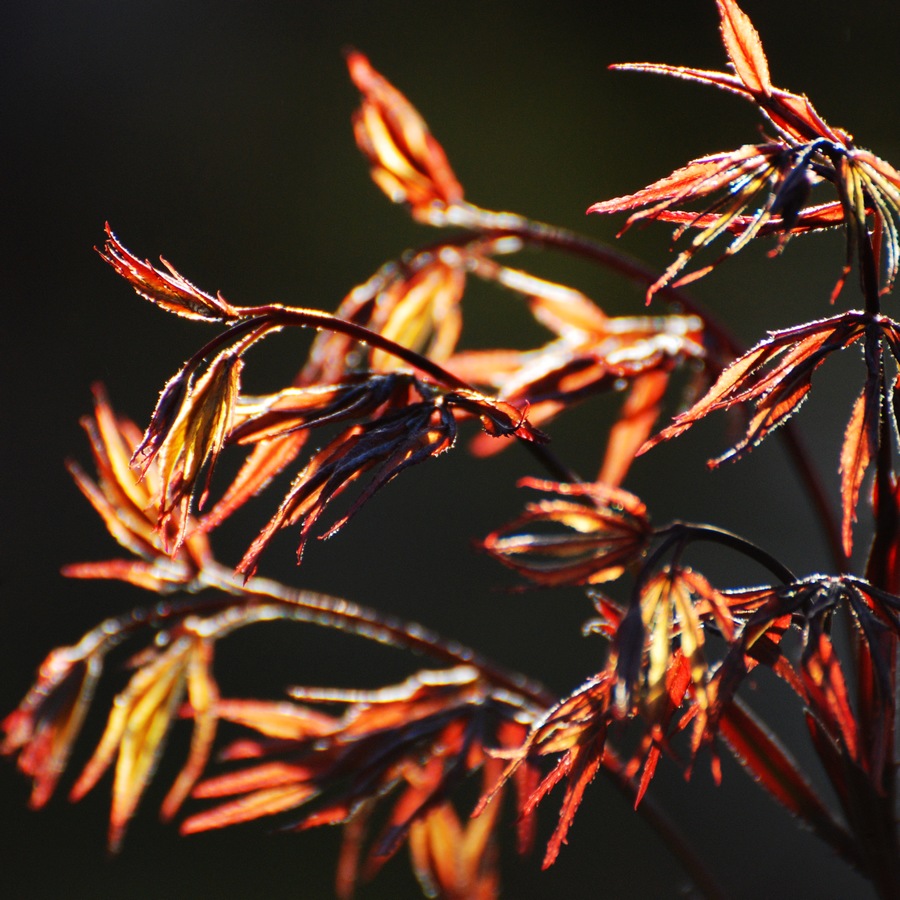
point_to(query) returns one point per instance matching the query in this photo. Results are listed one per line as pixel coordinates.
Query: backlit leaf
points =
(744, 47)
(189, 441)
(564, 542)
(775, 375)
(860, 442)
(168, 290)
(825, 681)
(406, 162)
(769, 763)
(43, 728)
(139, 725)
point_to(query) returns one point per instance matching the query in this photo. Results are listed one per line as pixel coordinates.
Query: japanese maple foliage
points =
(389, 384)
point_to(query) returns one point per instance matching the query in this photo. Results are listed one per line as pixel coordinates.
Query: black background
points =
(217, 134)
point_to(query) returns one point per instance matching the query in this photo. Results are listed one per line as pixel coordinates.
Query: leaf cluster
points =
(388, 384)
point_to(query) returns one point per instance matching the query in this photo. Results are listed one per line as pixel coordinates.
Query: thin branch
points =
(322, 609)
(680, 534)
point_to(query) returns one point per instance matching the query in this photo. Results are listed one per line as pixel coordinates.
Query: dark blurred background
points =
(217, 134)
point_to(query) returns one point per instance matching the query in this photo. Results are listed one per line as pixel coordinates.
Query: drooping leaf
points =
(404, 432)
(453, 860)
(424, 315)
(658, 636)
(860, 443)
(824, 679)
(564, 542)
(360, 395)
(773, 767)
(406, 747)
(388, 445)
(580, 769)
(43, 728)
(577, 728)
(808, 219)
(202, 701)
(267, 459)
(616, 352)
(639, 414)
(188, 441)
(130, 508)
(139, 725)
(879, 188)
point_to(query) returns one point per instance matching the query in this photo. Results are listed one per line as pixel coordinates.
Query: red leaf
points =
(860, 442)
(406, 162)
(744, 47)
(827, 688)
(582, 771)
(388, 445)
(698, 178)
(724, 80)
(168, 290)
(557, 542)
(811, 218)
(264, 802)
(261, 466)
(772, 766)
(776, 375)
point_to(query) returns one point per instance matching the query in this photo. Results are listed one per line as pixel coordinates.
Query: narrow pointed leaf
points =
(168, 290)
(744, 47)
(770, 764)
(583, 770)
(264, 802)
(775, 375)
(860, 442)
(634, 425)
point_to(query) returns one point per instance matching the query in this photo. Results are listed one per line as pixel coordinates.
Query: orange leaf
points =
(203, 694)
(43, 728)
(581, 771)
(424, 314)
(636, 420)
(406, 162)
(559, 542)
(136, 731)
(188, 440)
(264, 802)
(698, 178)
(285, 721)
(259, 468)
